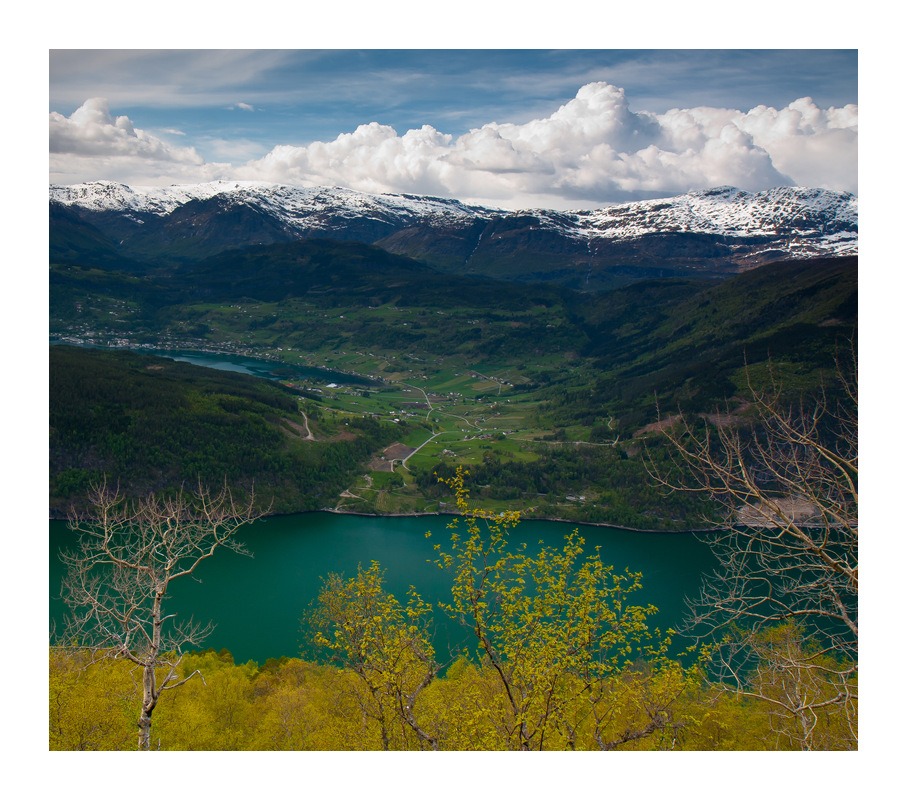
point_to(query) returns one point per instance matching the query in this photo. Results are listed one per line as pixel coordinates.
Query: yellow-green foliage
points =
(567, 661)
(811, 696)
(92, 707)
(385, 645)
(298, 705)
(210, 714)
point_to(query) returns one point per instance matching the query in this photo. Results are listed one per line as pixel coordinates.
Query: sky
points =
(510, 128)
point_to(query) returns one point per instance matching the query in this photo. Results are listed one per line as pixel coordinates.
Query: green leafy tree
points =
(386, 645)
(559, 642)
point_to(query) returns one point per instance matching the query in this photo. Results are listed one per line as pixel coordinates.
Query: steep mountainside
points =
(711, 233)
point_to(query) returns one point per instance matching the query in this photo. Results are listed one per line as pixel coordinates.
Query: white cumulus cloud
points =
(91, 131)
(91, 144)
(592, 150)
(818, 147)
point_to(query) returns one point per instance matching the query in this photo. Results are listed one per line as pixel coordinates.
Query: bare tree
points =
(118, 578)
(788, 548)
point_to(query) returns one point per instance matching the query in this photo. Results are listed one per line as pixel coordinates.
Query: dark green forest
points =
(682, 340)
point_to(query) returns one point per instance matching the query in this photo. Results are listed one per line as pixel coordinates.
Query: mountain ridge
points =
(703, 233)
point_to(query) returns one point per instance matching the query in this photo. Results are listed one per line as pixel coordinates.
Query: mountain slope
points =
(690, 349)
(75, 241)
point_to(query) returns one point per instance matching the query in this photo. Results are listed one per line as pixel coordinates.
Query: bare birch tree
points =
(118, 578)
(787, 551)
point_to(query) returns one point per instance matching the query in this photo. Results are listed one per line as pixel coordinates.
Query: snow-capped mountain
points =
(297, 207)
(717, 231)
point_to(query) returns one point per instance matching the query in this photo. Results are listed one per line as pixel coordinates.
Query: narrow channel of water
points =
(260, 368)
(246, 365)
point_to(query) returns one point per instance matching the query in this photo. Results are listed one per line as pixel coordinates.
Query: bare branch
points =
(788, 551)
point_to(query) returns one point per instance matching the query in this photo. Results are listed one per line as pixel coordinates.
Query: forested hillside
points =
(684, 340)
(151, 424)
(298, 704)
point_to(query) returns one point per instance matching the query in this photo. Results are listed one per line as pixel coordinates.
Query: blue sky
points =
(503, 127)
(302, 96)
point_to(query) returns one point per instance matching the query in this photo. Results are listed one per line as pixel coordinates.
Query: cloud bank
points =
(591, 151)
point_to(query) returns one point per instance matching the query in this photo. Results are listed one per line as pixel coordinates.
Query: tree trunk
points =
(149, 701)
(145, 729)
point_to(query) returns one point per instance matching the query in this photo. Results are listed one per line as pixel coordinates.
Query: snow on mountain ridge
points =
(159, 200)
(816, 216)
(278, 198)
(728, 211)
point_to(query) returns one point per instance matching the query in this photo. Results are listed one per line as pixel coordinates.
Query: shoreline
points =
(60, 518)
(522, 519)
(161, 350)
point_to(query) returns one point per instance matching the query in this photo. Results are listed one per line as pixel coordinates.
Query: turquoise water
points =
(256, 603)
